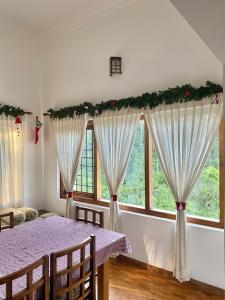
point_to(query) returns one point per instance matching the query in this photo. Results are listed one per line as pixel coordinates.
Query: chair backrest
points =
(31, 288)
(77, 280)
(11, 221)
(97, 216)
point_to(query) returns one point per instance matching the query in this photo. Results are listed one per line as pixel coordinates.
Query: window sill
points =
(172, 216)
(152, 212)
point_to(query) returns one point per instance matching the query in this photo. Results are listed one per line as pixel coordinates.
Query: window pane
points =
(162, 196)
(104, 186)
(133, 189)
(85, 175)
(204, 199)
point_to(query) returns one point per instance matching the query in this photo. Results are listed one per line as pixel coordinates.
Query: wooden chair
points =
(77, 281)
(97, 216)
(41, 286)
(11, 221)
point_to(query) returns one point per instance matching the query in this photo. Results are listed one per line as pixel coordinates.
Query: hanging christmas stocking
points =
(38, 125)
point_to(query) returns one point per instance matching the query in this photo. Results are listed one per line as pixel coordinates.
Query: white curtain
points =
(115, 133)
(11, 162)
(68, 135)
(183, 134)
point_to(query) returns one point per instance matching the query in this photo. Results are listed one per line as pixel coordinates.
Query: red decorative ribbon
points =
(69, 194)
(114, 197)
(181, 205)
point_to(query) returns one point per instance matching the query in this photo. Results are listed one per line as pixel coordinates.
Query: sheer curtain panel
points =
(11, 163)
(183, 134)
(68, 135)
(115, 133)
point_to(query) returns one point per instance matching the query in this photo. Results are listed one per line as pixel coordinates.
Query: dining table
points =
(29, 241)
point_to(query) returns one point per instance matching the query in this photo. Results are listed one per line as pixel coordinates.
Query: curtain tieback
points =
(69, 194)
(181, 205)
(114, 197)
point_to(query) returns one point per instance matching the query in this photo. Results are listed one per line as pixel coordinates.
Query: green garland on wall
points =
(184, 93)
(13, 111)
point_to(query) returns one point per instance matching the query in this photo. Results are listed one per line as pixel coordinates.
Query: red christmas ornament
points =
(113, 103)
(18, 122)
(187, 93)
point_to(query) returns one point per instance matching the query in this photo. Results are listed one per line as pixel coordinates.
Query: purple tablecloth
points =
(28, 242)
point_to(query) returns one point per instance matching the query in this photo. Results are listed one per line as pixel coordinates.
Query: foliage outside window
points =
(204, 199)
(132, 192)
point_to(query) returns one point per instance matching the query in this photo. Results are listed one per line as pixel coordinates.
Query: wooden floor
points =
(130, 282)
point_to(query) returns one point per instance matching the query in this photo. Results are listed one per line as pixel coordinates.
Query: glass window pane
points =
(104, 186)
(204, 198)
(133, 189)
(84, 180)
(162, 196)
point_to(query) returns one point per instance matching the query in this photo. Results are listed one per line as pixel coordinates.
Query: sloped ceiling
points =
(208, 19)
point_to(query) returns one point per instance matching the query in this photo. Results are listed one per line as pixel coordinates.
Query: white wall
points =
(159, 49)
(20, 86)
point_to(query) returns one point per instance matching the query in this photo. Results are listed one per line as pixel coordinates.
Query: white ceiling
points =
(207, 17)
(45, 15)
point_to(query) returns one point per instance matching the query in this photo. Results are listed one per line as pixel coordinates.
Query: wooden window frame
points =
(85, 195)
(95, 198)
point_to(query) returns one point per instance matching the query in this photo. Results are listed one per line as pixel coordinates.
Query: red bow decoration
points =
(114, 197)
(69, 194)
(181, 205)
(38, 125)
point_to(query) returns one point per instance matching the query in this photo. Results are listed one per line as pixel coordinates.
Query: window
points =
(85, 185)
(85, 175)
(162, 196)
(145, 189)
(132, 191)
(204, 199)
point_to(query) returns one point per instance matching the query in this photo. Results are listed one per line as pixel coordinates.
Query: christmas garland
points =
(13, 111)
(184, 93)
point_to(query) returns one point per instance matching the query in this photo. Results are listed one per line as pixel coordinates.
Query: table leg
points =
(103, 281)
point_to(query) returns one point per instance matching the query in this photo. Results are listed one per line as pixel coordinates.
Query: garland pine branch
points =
(13, 111)
(184, 93)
